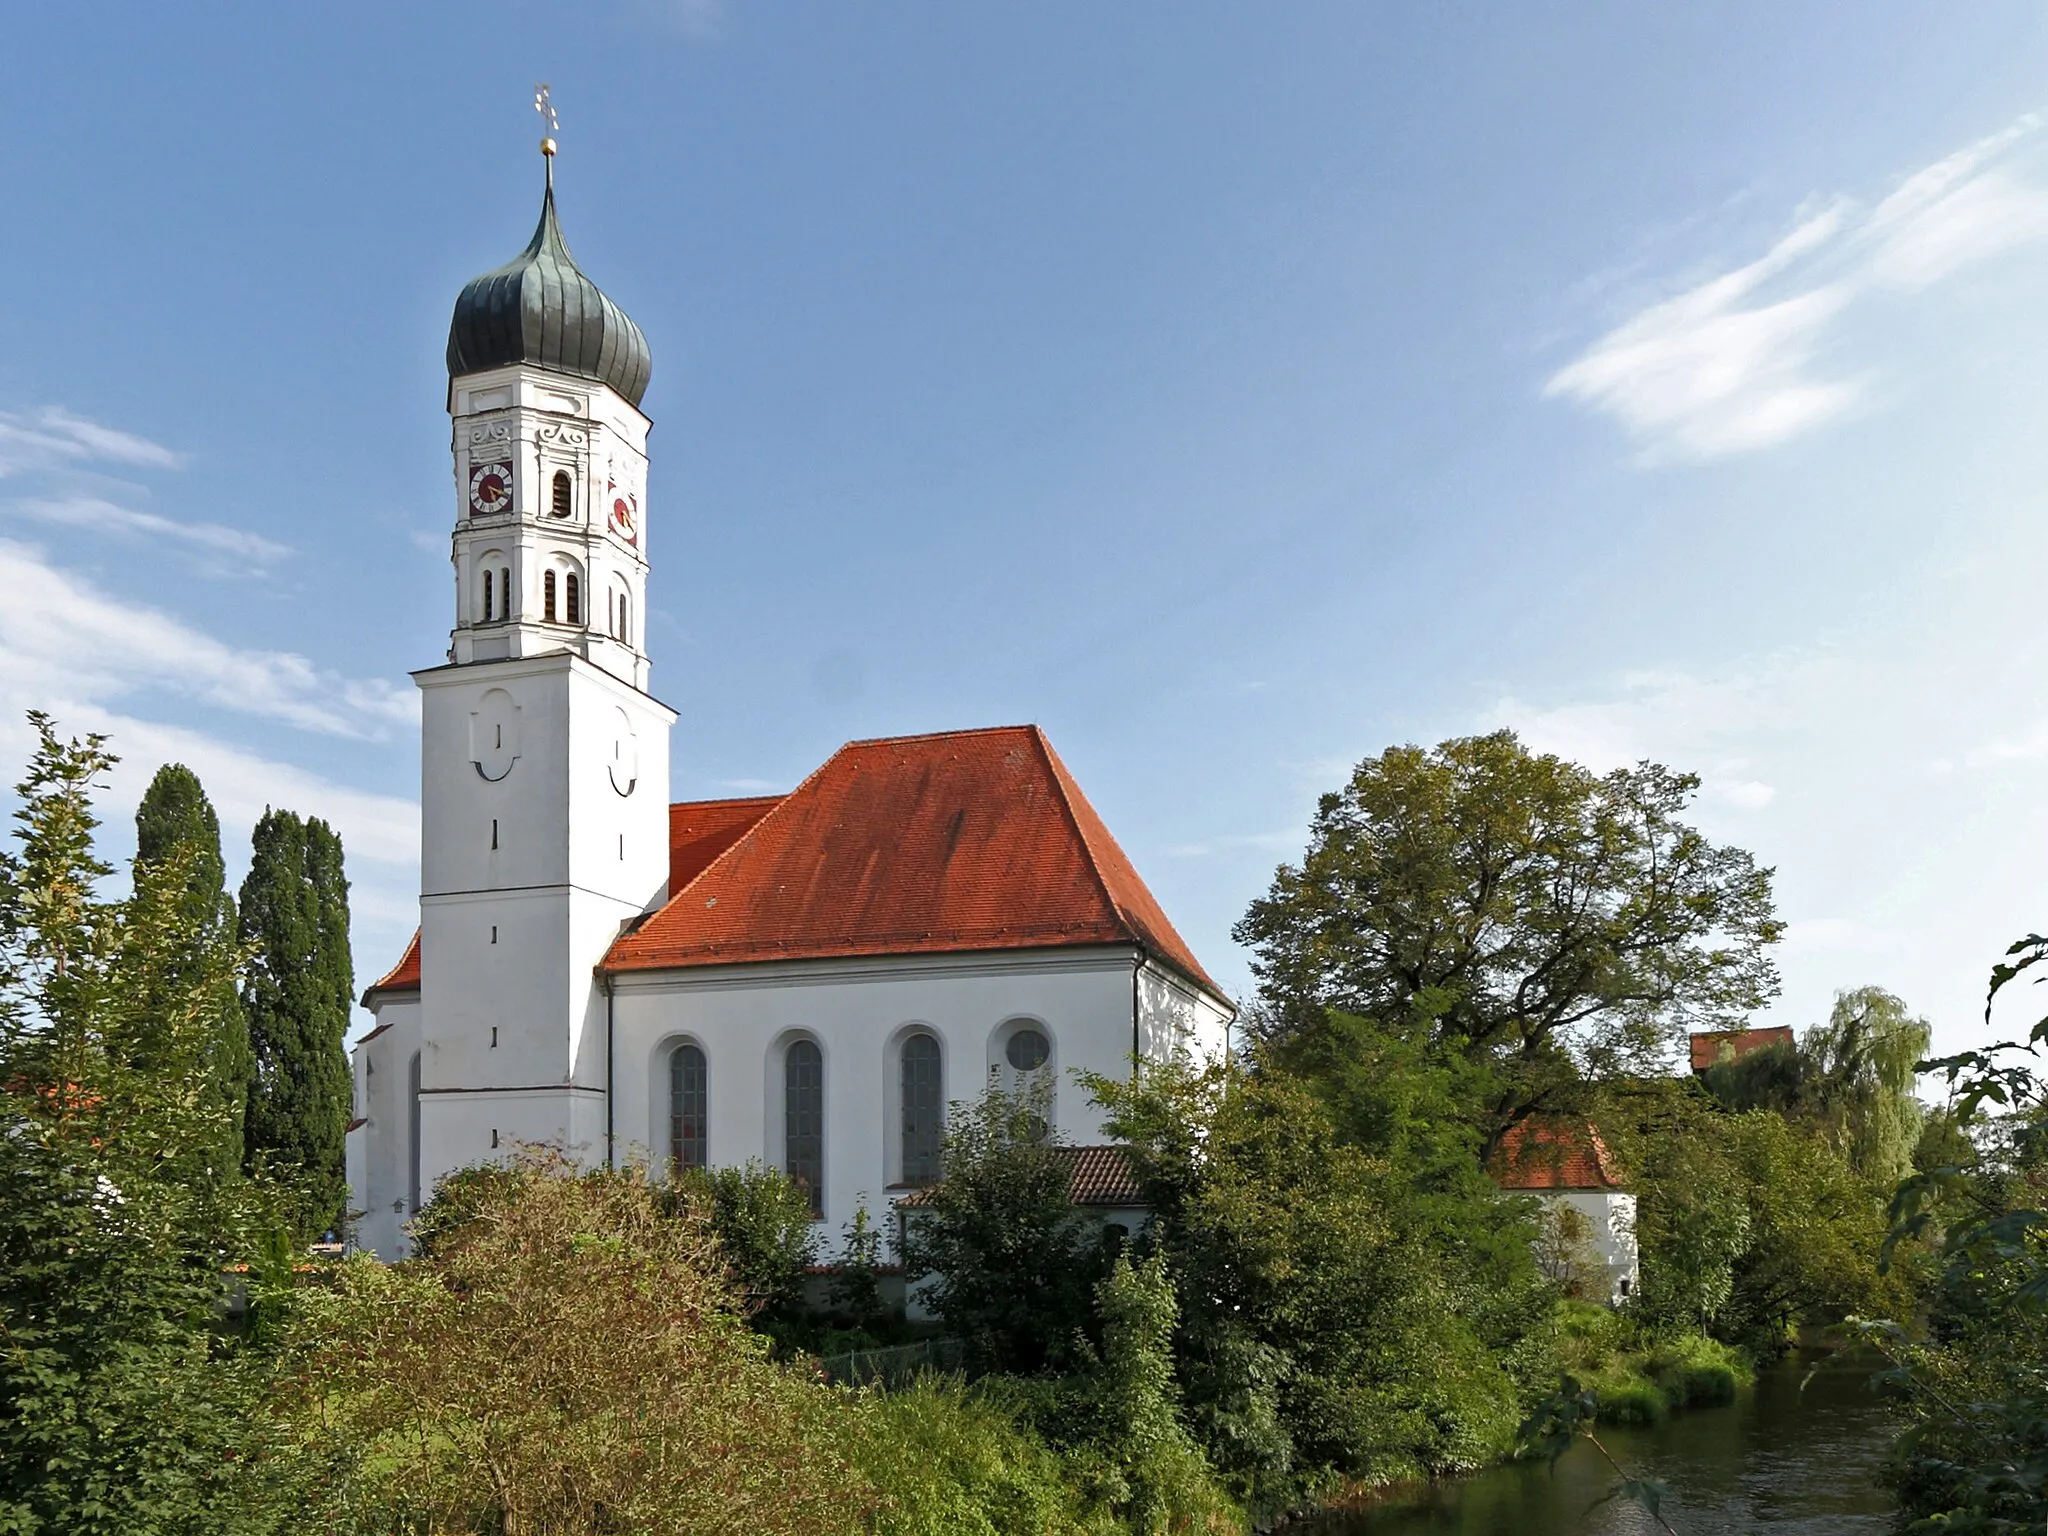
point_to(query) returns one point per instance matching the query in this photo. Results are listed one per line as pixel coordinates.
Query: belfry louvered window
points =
(489, 612)
(803, 1120)
(547, 598)
(689, 1095)
(575, 597)
(564, 496)
(922, 1098)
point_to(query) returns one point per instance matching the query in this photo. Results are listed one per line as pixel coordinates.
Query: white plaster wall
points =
(380, 1150)
(1176, 1016)
(743, 1017)
(1611, 1216)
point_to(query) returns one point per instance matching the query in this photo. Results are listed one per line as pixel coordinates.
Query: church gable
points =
(961, 841)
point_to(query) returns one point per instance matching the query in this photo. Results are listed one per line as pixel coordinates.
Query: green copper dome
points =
(539, 308)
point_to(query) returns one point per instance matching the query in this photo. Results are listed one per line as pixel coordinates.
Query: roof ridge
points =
(972, 730)
(677, 805)
(726, 851)
(1058, 770)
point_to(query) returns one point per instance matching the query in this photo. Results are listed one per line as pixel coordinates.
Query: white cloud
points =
(749, 786)
(1734, 363)
(61, 637)
(93, 513)
(1287, 842)
(53, 437)
(1747, 795)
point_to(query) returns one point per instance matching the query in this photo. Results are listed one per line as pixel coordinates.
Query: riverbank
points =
(1801, 1457)
(1644, 1379)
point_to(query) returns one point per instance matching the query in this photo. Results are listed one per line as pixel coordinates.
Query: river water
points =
(1778, 1459)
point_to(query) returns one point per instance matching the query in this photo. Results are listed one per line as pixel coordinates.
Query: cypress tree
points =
(300, 988)
(177, 833)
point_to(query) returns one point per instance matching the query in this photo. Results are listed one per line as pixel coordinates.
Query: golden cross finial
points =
(543, 103)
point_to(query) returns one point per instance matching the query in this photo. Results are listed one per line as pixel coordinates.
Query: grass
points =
(1644, 1378)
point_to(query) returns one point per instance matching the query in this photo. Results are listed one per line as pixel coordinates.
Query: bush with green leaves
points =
(1974, 1454)
(1328, 1329)
(1012, 1265)
(762, 1220)
(1750, 1225)
(566, 1355)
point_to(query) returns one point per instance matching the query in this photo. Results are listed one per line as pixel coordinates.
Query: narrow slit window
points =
(688, 1107)
(564, 502)
(625, 627)
(505, 592)
(922, 1098)
(574, 584)
(489, 612)
(547, 598)
(803, 1120)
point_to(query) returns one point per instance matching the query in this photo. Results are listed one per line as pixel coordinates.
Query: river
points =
(1780, 1460)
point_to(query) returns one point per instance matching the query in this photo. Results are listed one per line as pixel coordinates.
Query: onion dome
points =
(539, 308)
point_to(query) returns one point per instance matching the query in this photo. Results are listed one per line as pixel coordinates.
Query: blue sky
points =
(1233, 390)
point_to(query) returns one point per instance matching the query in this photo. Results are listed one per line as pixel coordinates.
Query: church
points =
(805, 980)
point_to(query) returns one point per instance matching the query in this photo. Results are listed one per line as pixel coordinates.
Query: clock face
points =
(625, 512)
(625, 763)
(490, 489)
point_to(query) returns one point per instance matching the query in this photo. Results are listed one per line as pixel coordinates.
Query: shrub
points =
(1015, 1263)
(1697, 1372)
(948, 1460)
(567, 1359)
(1633, 1401)
(762, 1220)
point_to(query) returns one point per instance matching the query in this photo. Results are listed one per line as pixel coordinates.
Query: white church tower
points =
(544, 773)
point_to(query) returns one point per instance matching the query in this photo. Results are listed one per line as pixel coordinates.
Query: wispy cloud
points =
(749, 786)
(53, 437)
(99, 515)
(61, 636)
(1289, 841)
(1735, 363)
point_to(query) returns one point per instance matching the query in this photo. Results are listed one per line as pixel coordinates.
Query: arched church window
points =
(922, 1093)
(575, 597)
(688, 1103)
(803, 1120)
(488, 613)
(625, 628)
(547, 598)
(563, 495)
(505, 591)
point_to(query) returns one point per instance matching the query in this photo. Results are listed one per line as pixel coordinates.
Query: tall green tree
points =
(123, 1408)
(1535, 920)
(1849, 1080)
(301, 985)
(176, 824)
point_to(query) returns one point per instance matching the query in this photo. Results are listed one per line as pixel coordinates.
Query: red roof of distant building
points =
(1549, 1153)
(1718, 1047)
(1099, 1175)
(962, 841)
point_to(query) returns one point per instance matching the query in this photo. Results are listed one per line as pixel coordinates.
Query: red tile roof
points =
(1544, 1153)
(1714, 1048)
(962, 841)
(402, 977)
(700, 830)
(1099, 1175)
